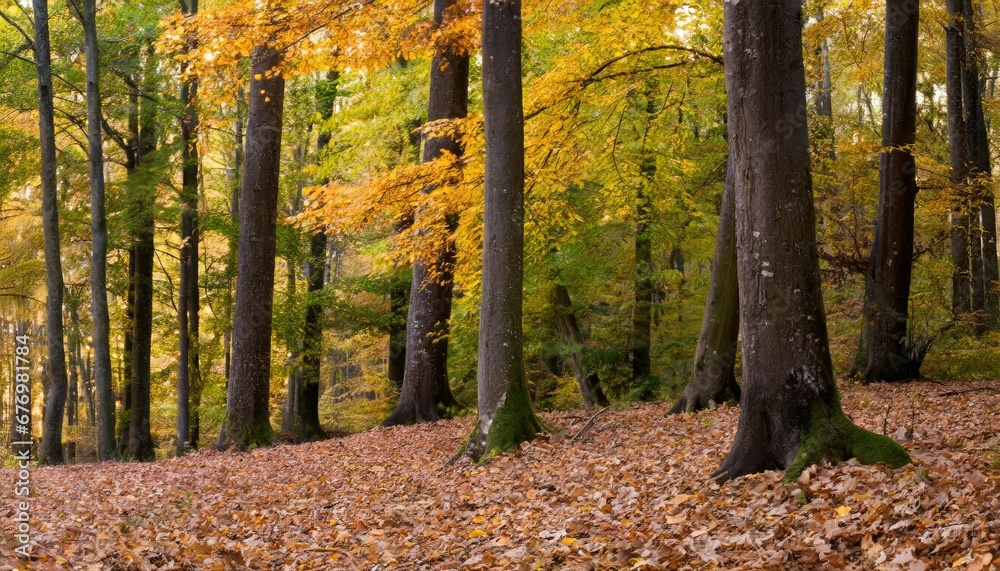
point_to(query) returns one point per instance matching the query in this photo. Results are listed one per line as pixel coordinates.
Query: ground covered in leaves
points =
(630, 493)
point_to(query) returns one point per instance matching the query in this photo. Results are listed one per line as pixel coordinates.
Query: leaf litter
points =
(632, 493)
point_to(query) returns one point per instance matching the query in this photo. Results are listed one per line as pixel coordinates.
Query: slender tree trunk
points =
(131, 163)
(140, 439)
(714, 378)
(55, 397)
(426, 395)
(790, 415)
(643, 385)
(248, 421)
(188, 301)
(572, 339)
(505, 415)
(99, 243)
(72, 394)
(985, 276)
(961, 296)
(887, 279)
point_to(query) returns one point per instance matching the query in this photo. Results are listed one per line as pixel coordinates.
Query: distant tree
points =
(961, 297)
(99, 244)
(713, 380)
(790, 415)
(505, 415)
(247, 421)
(426, 395)
(55, 398)
(884, 354)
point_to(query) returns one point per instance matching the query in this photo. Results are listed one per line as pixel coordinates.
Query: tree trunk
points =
(99, 244)
(505, 415)
(248, 421)
(426, 394)
(714, 379)
(961, 295)
(887, 279)
(643, 385)
(572, 339)
(790, 415)
(55, 397)
(399, 293)
(140, 440)
(979, 173)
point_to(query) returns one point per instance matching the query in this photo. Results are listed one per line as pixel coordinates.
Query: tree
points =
(714, 378)
(572, 339)
(247, 422)
(426, 395)
(505, 415)
(884, 351)
(790, 415)
(188, 304)
(55, 399)
(143, 203)
(961, 297)
(643, 383)
(99, 243)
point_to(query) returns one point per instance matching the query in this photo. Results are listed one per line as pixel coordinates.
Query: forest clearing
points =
(632, 492)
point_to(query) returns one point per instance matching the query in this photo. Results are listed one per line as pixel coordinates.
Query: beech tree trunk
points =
(101, 337)
(572, 339)
(714, 378)
(961, 294)
(643, 385)
(140, 439)
(505, 415)
(188, 304)
(55, 397)
(986, 299)
(426, 395)
(790, 415)
(248, 421)
(887, 279)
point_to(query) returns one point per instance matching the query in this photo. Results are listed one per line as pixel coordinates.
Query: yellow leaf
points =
(479, 519)
(476, 533)
(567, 541)
(258, 76)
(843, 510)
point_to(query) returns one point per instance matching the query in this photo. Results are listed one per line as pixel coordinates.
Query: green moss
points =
(831, 435)
(250, 436)
(515, 422)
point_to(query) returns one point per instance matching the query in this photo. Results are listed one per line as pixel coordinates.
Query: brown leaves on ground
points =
(632, 493)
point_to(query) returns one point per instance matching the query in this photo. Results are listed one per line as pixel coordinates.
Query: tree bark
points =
(188, 305)
(505, 415)
(572, 339)
(714, 378)
(99, 243)
(986, 299)
(248, 421)
(790, 415)
(140, 439)
(961, 296)
(887, 279)
(426, 394)
(55, 397)
(643, 385)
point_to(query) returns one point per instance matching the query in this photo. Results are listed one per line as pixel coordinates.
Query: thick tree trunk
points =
(399, 293)
(572, 339)
(961, 296)
(99, 244)
(55, 397)
(887, 279)
(140, 440)
(248, 421)
(426, 394)
(505, 415)
(790, 413)
(714, 379)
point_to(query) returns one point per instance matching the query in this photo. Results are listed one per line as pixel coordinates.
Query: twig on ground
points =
(588, 425)
(967, 391)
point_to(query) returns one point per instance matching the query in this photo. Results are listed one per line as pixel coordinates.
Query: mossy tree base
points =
(513, 423)
(245, 437)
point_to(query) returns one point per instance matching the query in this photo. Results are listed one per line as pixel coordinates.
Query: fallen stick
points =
(966, 391)
(588, 425)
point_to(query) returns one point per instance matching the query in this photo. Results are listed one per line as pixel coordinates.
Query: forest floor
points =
(632, 492)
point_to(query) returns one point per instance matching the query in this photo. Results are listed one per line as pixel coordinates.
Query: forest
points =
(482, 284)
